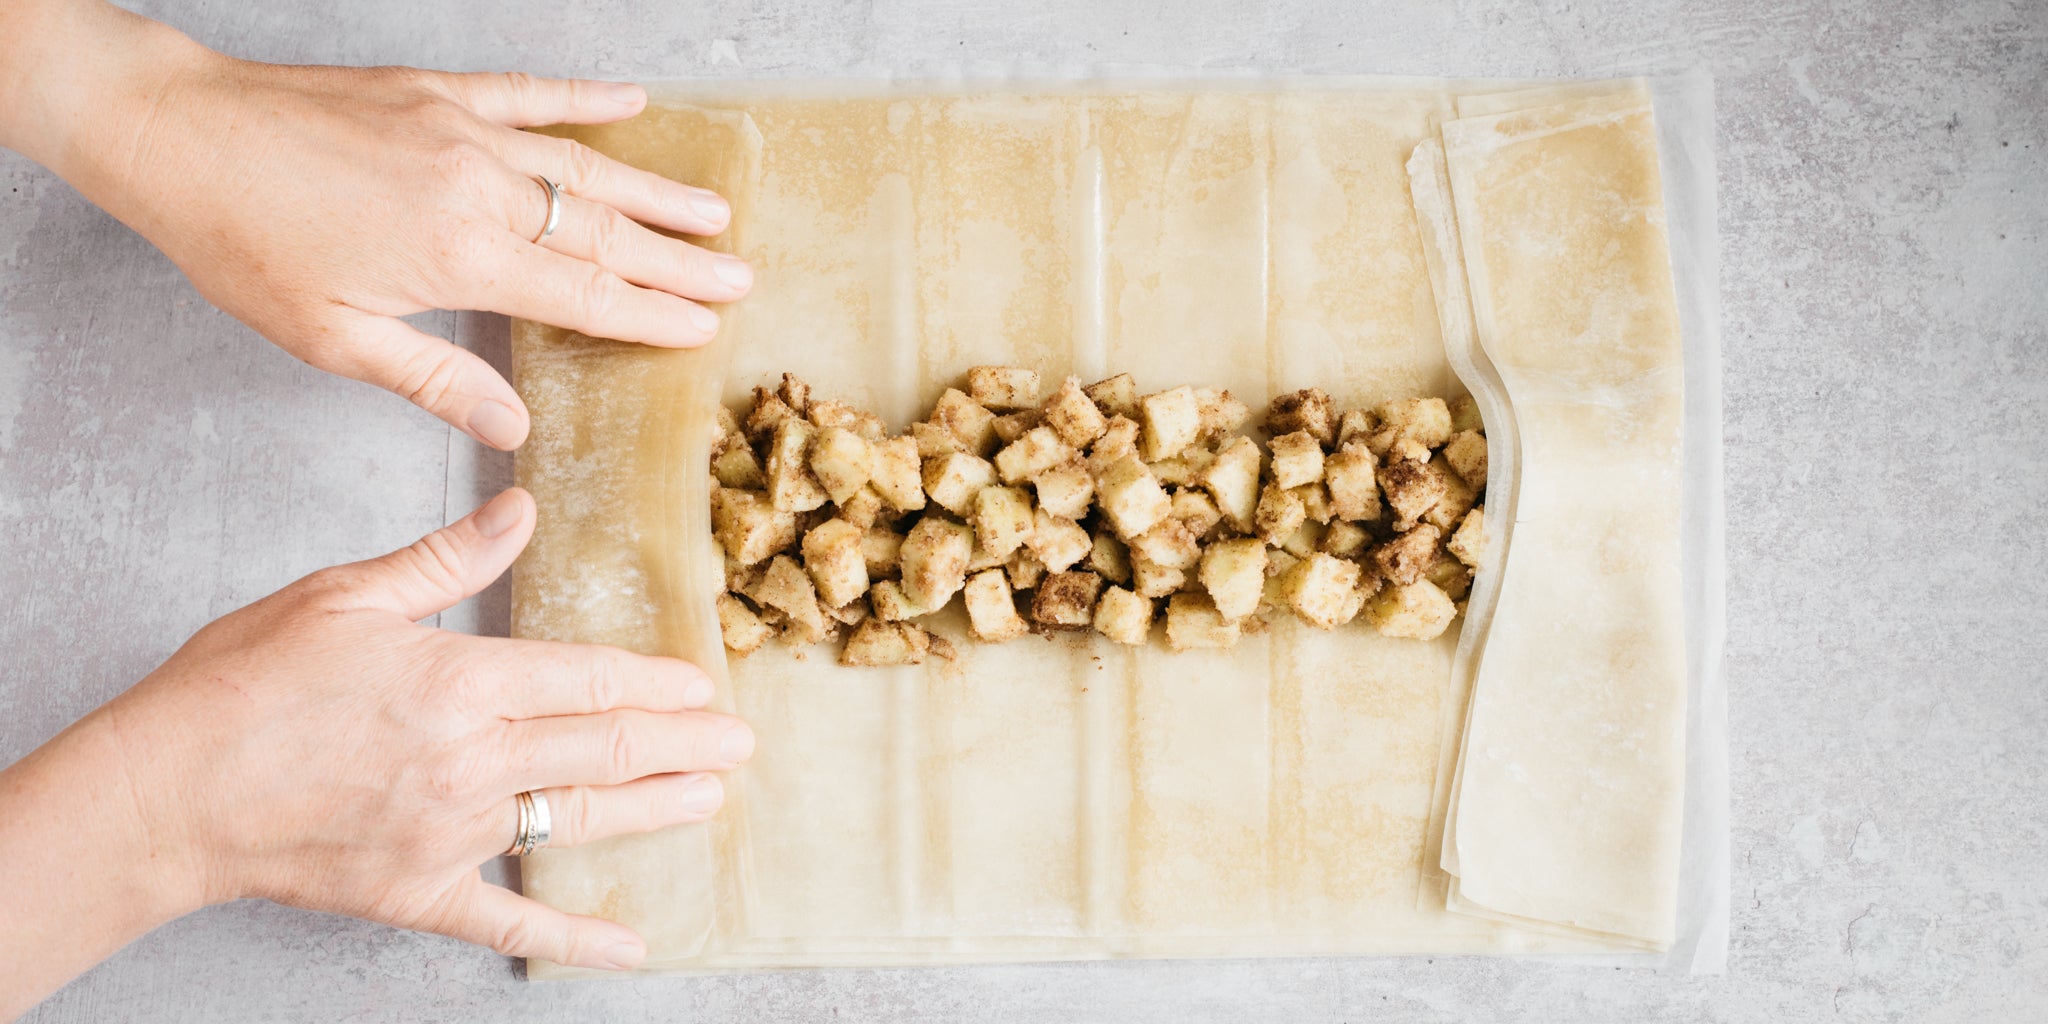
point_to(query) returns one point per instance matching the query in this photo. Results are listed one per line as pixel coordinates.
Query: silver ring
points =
(535, 825)
(554, 208)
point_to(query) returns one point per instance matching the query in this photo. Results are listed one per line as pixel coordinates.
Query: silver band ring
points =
(554, 208)
(535, 826)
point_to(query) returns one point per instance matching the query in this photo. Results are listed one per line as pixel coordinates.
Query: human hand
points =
(320, 204)
(319, 749)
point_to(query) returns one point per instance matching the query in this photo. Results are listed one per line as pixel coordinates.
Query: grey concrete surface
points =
(1884, 225)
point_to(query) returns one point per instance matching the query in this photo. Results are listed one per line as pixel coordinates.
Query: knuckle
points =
(523, 89)
(460, 165)
(459, 775)
(457, 242)
(583, 168)
(576, 815)
(461, 261)
(437, 561)
(417, 93)
(599, 297)
(401, 75)
(467, 683)
(611, 237)
(332, 590)
(605, 680)
(624, 749)
(518, 935)
(430, 378)
(329, 586)
(694, 265)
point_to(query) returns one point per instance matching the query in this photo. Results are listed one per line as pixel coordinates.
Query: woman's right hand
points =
(319, 749)
(319, 205)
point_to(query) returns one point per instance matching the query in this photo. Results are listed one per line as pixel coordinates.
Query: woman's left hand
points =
(320, 749)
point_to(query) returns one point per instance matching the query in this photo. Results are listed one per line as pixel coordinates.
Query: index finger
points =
(519, 99)
(545, 679)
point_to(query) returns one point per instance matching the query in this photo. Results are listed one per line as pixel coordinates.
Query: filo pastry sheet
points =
(1070, 798)
(1565, 805)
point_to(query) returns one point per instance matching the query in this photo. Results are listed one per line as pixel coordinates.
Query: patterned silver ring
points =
(554, 208)
(535, 825)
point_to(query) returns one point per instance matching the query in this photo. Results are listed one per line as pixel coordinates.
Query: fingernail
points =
(733, 271)
(699, 692)
(710, 206)
(496, 424)
(704, 320)
(737, 745)
(625, 94)
(703, 795)
(498, 515)
(624, 956)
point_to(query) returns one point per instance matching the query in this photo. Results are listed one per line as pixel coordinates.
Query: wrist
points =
(81, 77)
(108, 793)
(86, 875)
(151, 778)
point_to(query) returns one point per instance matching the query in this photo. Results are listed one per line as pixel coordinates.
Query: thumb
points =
(454, 562)
(517, 926)
(519, 100)
(445, 379)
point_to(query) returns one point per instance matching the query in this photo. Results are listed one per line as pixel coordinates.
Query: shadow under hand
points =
(476, 473)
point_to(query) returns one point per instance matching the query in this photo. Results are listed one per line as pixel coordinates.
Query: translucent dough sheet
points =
(1567, 810)
(623, 552)
(1043, 799)
(1564, 811)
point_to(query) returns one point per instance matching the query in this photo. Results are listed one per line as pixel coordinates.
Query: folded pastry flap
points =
(1437, 224)
(1429, 175)
(622, 553)
(1568, 802)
